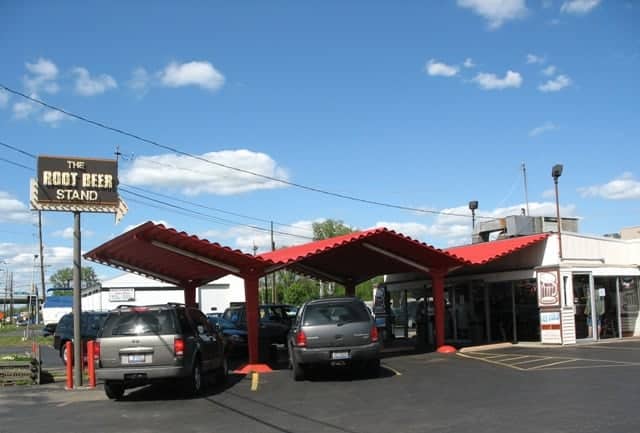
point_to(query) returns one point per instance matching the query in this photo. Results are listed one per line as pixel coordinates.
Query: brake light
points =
(96, 351)
(301, 339)
(374, 334)
(178, 347)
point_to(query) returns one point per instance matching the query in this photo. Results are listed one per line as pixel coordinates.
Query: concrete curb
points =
(485, 347)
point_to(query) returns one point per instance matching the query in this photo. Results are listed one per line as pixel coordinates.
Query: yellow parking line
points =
(535, 359)
(490, 361)
(537, 367)
(255, 379)
(513, 359)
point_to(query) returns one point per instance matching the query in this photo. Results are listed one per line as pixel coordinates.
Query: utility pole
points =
(273, 275)
(44, 291)
(11, 296)
(526, 191)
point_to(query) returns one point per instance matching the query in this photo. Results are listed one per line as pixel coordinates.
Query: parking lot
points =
(586, 388)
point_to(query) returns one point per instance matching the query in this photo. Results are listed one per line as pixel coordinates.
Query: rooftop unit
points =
(520, 225)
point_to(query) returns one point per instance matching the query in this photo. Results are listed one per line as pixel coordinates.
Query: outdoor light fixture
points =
(556, 172)
(473, 205)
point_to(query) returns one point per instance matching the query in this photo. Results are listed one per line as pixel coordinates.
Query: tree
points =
(64, 277)
(330, 228)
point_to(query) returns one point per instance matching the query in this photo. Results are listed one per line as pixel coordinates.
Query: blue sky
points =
(421, 104)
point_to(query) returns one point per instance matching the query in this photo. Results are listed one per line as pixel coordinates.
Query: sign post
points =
(74, 184)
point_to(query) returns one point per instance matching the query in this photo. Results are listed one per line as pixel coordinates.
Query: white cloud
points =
(245, 238)
(492, 82)
(545, 127)
(556, 84)
(549, 70)
(201, 74)
(24, 109)
(496, 12)
(86, 85)
(579, 7)
(133, 226)
(533, 59)
(194, 176)
(41, 77)
(435, 68)
(53, 117)
(20, 261)
(67, 233)
(468, 63)
(414, 230)
(140, 81)
(4, 98)
(625, 187)
(13, 210)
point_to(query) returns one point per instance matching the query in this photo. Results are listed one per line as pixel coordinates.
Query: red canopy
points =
(357, 257)
(484, 252)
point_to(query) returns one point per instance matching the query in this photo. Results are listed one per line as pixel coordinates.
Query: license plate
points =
(136, 359)
(340, 355)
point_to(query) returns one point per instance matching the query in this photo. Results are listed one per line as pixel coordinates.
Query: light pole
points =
(34, 291)
(556, 172)
(473, 205)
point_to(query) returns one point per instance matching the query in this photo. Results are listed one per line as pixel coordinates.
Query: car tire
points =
(222, 372)
(297, 370)
(114, 389)
(63, 352)
(194, 384)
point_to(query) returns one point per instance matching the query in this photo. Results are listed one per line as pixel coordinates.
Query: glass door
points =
(606, 307)
(582, 305)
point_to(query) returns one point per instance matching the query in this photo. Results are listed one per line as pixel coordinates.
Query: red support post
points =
(190, 296)
(91, 367)
(437, 278)
(68, 347)
(350, 289)
(251, 299)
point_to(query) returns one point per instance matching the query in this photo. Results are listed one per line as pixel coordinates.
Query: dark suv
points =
(90, 324)
(333, 332)
(141, 345)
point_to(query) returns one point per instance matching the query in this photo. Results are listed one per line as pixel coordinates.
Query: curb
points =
(485, 347)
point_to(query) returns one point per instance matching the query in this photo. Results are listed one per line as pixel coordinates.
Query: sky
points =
(417, 106)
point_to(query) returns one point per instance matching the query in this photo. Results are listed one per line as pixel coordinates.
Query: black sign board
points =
(77, 181)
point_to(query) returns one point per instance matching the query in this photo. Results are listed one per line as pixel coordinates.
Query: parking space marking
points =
(255, 380)
(552, 362)
(396, 372)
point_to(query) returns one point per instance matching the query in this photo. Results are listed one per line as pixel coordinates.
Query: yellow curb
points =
(255, 379)
(485, 347)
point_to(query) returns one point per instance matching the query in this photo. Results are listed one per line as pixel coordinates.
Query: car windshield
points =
(140, 323)
(325, 314)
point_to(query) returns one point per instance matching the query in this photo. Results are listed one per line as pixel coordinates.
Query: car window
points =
(233, 314)
(140, 323)
(325, 314)
(92, 323)
(200, 319)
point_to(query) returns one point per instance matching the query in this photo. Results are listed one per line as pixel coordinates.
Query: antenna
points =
(526, 192)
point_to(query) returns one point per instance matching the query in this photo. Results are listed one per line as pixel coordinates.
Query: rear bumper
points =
(322, 355)
(142, 374)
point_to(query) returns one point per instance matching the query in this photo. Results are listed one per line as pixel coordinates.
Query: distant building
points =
(630, 233)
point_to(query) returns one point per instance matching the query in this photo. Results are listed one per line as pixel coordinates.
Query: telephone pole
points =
(273, 275)
(44, 291)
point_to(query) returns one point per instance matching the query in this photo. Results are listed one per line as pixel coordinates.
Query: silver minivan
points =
(145, 344)
(333, 332)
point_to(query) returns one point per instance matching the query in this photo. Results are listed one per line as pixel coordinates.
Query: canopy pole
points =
(350, 289)
(190, 295)
(251, 299)
(437, 278)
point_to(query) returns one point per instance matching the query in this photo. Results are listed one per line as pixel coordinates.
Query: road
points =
(597, 391)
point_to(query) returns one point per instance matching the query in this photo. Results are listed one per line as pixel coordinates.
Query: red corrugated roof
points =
(359, 256)
(135, 251)
(484, 252)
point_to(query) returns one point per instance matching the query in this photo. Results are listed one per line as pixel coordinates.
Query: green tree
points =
(330, 228)
(64, 277)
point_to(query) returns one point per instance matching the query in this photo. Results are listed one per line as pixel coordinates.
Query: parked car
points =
(275, 321)
(333, 332)
(169, 342)
(90, 324)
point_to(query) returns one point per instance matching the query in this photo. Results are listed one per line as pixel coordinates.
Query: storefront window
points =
(527, 311)
(606, 307)
(630, 306)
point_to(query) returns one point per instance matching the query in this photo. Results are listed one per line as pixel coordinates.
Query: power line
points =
(219, 164)
(17, 164)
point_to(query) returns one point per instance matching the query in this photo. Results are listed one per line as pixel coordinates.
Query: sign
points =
(548, 290)
(77, 181)
(550, 327)
(122, 295)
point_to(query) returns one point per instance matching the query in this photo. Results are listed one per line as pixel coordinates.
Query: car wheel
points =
(223, 371)
(114, 389)
(297, 370)
(195, 384)
(63, 353)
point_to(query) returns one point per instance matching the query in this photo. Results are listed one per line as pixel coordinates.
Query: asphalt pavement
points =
(579, 389)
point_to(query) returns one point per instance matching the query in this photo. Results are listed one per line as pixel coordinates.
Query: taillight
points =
(301, 339)
(374, 334)
(96, 351)
(178, 347)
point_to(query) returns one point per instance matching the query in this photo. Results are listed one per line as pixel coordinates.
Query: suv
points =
(90, 324)
(275, 321)
(334, 332)
(145, 344)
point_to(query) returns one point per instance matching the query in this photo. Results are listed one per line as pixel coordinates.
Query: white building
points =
(133, 289)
